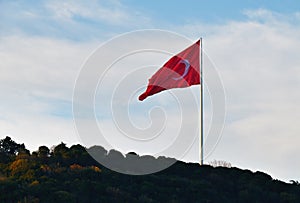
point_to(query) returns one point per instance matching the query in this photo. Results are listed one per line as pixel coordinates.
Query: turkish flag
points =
(182, 70)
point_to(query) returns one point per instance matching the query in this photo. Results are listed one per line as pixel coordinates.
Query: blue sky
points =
(254, 45)
(60, 20)
(212, 11)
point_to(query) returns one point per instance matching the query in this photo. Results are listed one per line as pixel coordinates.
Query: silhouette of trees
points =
(294, 182)
(43, 152)
(71, 175)
(220, 163)
(10, 147)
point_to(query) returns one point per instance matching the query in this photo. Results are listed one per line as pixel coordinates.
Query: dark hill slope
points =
(71, 175)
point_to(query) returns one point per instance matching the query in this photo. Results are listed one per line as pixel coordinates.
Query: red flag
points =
(182, 70)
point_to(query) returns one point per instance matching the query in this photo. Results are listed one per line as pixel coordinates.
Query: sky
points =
(253, 44)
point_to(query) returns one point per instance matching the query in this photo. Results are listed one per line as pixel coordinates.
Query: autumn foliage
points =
(65, 174)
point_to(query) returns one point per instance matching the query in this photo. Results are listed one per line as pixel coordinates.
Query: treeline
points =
(66, 174)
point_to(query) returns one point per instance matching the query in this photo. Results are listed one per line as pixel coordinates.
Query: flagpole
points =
(201, 105)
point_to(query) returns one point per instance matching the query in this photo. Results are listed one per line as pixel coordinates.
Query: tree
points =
(79, 155)
(60, 154)
(63, 196)
(10, 147)
(294, 182)
(43, 152)
(19, 166)
(220, 163)
(4, 158)
(77, 151)
(23, 154)
(60, 150)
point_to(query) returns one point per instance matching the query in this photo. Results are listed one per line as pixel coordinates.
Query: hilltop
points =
(72, 175)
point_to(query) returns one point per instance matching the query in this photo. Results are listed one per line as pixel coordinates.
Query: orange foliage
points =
(96, 169)
(76, 167)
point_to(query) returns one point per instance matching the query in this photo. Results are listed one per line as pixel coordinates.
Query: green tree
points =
(63, 196)
(43, 152)
(61, 154)
(60, 150)
(10, 147)
(79, 155)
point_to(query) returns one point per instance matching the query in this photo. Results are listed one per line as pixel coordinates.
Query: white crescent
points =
(186, 70)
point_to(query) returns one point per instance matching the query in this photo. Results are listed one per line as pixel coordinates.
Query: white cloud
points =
(37, 130)
(113, 12)
(86, 16)
(34, 65)
(257, 59)
(73, 20)
(259, 66)
(37, 77)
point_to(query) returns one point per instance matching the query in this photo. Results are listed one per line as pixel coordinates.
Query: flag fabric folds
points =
(182, 70)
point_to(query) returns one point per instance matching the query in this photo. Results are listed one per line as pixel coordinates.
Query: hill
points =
(72, 175)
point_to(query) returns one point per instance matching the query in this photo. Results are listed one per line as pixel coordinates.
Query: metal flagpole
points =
(201, 105)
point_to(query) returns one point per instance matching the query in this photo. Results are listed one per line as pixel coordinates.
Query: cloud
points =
(33, 65)
(257, 60)
(73, 20)
(37, 77)
(37, 130)
(272, 17)
(111, 13)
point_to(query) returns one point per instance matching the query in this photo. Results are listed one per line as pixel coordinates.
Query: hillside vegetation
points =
(71, 175)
